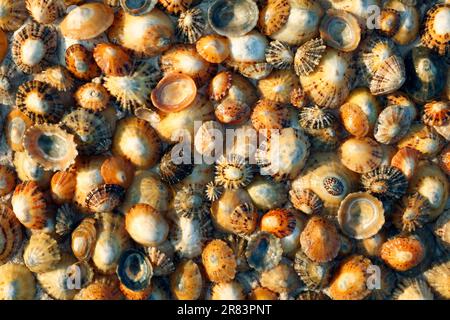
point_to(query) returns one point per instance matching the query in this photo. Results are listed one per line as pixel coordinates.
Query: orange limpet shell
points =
(95, 291)
(407, 160)
(213, 48)
(87, 21)
(231, 111)
(350, 280)
(29, 205)
(262, 293)
(219, 85)
(3, 45)
(11, 232)
(436, 113)
(62, 186)
(135, 295)
(444, 160)
(186, 282)
(92, 96)
(80, 62)
(279, 222)
(219, 261)
(273, 16)
(320, 240)
(269, 115)
(7, 179)
(16, 125)
(355, 121)
(361, 155)
(117, 170)
(174, 92)
(403, 253)
(112, 59)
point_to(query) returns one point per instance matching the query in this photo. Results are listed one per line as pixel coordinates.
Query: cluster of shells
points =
(93, 205)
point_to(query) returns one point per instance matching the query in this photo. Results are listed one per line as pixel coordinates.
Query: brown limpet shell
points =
(174, 92)
(273, 16)
(219, 261)
(80, 62)
(403, 253)
(112, 59)
(279, 222)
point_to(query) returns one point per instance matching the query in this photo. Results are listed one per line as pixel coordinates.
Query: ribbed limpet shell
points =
(14, 15)
(437, 32)
(392, 125)
(361, 155)
(361, 215)
(423, 139)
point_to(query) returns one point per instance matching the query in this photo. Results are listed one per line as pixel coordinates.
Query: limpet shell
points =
(187, 281)
(314, 275)
(83, 239)
(438, 277)
(278, 86)
(16, 125)
(393, 124)
(174, 92)
(42, 253)
(308, 56)
(15, 14)
(219, 261)
(50, 146)
(135, 272)
(273, 16)
(403, 253)
(413, 289)
(423, 139)
(263, 251)
(279, 55)
(279, 222)
(409, 23)
(104, 198)
(340, 30)
(213, 48)
(191, 25)
(16, 282)
(436, 35)
(413, 212)
(11, 232)
(385, 182)
(361, 215)
(112, 59)
(233, 18)
(87, 21)
(80, 62)
(361, 155)
(7, 179)
(137, 8)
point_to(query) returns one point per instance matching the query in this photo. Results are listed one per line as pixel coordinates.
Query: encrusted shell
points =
(385, 182)
(330, 83)
(436, 35)
(340, 30)
(50, 146)
(232, 172)
(162, 263)
(137, 141)
(80, 62)
(320, 240)
(30, 206)
(42, 253)
(361, 215)
(219, 261)
(263, 251)
(135, 272)
(314, 117)
(39, 102)
(14, 14)
(281, 279)
(91, 130)
(33, 47)
(188, 235)
(11, 232)
(189, 201)
(244, 13)
(350, 280)
(187, 281)
(104, 198)
(16, 282)
(284, 154)
(87, 21)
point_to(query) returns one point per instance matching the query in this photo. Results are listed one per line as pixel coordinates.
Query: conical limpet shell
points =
(412, 213)
(278, 85)
(17, 282)
(189, 275)
(329, 85)
(308, 56)
(273, 16)
(213, 48)
(436, 34)
(191, 25)
(340, 30)
(279, 55)
(11, 232)
(409, 23)
(7, 179)
(392, 125)
(58, 77)
(361, 155)
(87, 21)
(219, 261)
(42, 253)
(423, 139)
(44, 11)
(385, 182)
(361, 215)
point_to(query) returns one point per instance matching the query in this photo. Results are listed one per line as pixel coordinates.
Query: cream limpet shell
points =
(361, 215)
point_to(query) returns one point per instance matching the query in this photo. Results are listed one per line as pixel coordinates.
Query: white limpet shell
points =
(248, 48)
(340, 30)
(302, 23)
(361, 9)
(433, 184)
(361, 155)
(361, 215)
(330, 83)
(328, 178)
(187, 237)
(267, 194)
(409, 22)
(392, 124)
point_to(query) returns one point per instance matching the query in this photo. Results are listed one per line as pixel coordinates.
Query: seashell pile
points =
(224, 149)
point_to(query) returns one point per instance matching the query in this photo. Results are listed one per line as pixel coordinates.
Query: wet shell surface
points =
(135, 272)
(320, 240)
(279, 222)
(87, 21)
(361, 215)
(403, 253)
